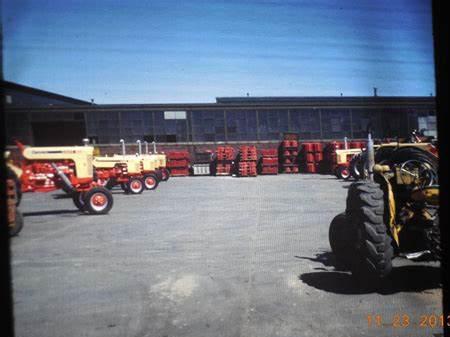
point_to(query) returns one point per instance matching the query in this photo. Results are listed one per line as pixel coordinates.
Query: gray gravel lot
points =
(204, 256)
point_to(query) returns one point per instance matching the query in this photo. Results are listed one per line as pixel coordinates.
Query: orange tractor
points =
(46, 169)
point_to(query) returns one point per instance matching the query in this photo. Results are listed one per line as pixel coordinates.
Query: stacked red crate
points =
(289, 153)
(247, 159)
(311, 156)
(224, 160)
(357, 145)
(268, 161)
(178, 163)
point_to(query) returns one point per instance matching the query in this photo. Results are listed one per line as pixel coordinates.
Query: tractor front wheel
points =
(135, 186)
(374, 251)
(342, 237)
(150, 181)
(98, 200)
(342, 172)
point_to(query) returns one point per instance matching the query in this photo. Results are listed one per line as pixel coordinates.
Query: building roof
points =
(42, 93)
(322, 99)
(404, 102)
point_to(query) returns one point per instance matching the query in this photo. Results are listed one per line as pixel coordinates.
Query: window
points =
(174, 114)
(8, 99)
(171, 138)
(149, 138)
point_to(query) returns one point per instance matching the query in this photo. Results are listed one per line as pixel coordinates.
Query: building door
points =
(58, 133)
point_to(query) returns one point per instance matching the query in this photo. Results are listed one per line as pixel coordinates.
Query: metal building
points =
(66, 120)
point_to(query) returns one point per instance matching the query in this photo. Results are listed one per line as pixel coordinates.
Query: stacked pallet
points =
(178, 163)
(224, 160)
(288, 153)
(312, 157)
(246, 161)
(268, 163)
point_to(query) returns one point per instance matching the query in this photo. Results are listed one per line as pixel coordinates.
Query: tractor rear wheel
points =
(98, 200)
(342, 237)
(78, 200)
(135, 186)
(150, 181)
(165, 174)
(12, 175)
(17, 226)
(374, 251)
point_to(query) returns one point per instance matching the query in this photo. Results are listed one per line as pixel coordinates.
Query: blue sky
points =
(193, 51)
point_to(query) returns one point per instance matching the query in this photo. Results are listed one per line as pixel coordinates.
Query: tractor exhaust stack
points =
(370, 155)
(123, 147)
(139, 147)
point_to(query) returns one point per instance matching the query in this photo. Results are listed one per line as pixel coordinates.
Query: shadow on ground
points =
(411, 278)
(61, 211)
(329, 177)
(62, 196)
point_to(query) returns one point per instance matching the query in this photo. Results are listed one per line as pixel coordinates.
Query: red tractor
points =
(46, 169)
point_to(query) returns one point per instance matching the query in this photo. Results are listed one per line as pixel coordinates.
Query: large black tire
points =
(17, 226)
(98, 200)
(135, 185)
(165, 174)
(374, 251)
(12, 175)
(151, 181)
(342, 237)
(383, 154)
(404, 154)
(78, 200)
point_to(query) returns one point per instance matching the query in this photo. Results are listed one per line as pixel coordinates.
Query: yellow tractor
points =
(391, 212)
(45, 169)
(123, 170)
(151, 175)
(343, 159)
(161, 162)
